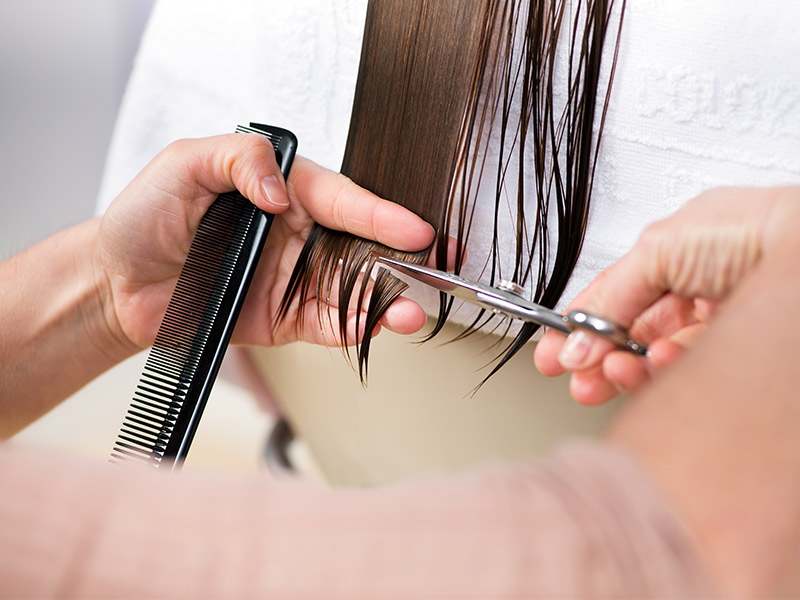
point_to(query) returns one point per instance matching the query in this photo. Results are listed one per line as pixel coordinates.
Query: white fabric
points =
(706, 94)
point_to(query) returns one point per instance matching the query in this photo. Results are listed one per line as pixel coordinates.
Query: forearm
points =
(719, 430)
(585, 524)
(54, 336)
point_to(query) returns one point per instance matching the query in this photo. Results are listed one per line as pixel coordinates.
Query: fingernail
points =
(575, 349)
(274, 191)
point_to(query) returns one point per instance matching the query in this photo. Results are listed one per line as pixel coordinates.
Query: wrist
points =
(101, 322)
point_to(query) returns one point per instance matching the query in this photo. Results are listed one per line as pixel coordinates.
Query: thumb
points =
(621, 293)
(223, 163)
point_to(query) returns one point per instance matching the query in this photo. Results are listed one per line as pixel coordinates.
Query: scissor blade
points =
(449, 283)
(474, 292)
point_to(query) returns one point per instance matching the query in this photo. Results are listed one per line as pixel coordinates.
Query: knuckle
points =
(176, 149)
(255, 149)
(653, 230)
(343, 186)
(375, 230)
(258, 144)
(652, 235)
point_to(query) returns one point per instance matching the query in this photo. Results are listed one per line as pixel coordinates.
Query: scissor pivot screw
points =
(510, 286)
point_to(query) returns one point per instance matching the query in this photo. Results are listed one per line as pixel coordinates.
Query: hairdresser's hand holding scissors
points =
(144, 236)
(667, 287)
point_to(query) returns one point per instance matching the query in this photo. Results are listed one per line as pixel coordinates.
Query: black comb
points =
(187, 353)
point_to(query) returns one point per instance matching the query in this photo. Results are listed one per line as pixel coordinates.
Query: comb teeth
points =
(173, 361)
(272, 136)
(188, 350)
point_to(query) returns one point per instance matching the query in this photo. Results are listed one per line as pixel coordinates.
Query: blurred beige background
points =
(419, 414)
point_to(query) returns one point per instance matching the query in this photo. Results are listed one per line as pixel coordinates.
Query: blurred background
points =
(63, 70)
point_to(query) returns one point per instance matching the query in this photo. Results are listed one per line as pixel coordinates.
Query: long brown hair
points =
(436, 87)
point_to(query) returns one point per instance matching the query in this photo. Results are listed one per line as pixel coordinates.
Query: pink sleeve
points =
(585, 524)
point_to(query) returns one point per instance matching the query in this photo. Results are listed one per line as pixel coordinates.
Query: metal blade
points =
(494, 299)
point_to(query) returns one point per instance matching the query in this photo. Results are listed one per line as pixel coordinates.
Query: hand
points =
(145, 235)
(666, 288)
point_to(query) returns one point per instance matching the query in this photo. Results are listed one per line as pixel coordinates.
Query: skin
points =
(665, 290)
(93, 295)
(714, 409)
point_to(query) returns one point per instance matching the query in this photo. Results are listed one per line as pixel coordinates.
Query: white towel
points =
(706, 94)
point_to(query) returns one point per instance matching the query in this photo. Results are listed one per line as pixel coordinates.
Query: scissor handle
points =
(616, 334)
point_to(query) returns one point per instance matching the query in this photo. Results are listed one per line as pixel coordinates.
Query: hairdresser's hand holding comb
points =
(667, 287)
(89, 297)
(147, 231)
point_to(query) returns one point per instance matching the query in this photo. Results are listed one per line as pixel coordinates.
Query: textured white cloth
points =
(706, 94)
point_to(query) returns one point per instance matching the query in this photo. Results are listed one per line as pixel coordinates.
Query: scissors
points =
(507, 299)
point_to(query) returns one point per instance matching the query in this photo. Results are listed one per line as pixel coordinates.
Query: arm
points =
(720, 431)
(585, 524)
(717, 429)
(54, 333)
(83, 300)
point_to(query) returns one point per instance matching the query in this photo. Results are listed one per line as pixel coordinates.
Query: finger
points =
(627, 372)
(336, 202)
(322, 327)
(622, 372)
(550, 346)
(580, 348)
(404, 316)
(686, 337)
(245, 162)
(623, 291)
(452, 248)
(620, 293)
(590, 387)
(545, 355)
(666, 316)
(704, 309)
(662, 353)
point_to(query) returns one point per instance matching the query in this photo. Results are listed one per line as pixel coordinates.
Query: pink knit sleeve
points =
(585, 524)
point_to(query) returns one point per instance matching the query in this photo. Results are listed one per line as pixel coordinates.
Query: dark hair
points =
(435, 87)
